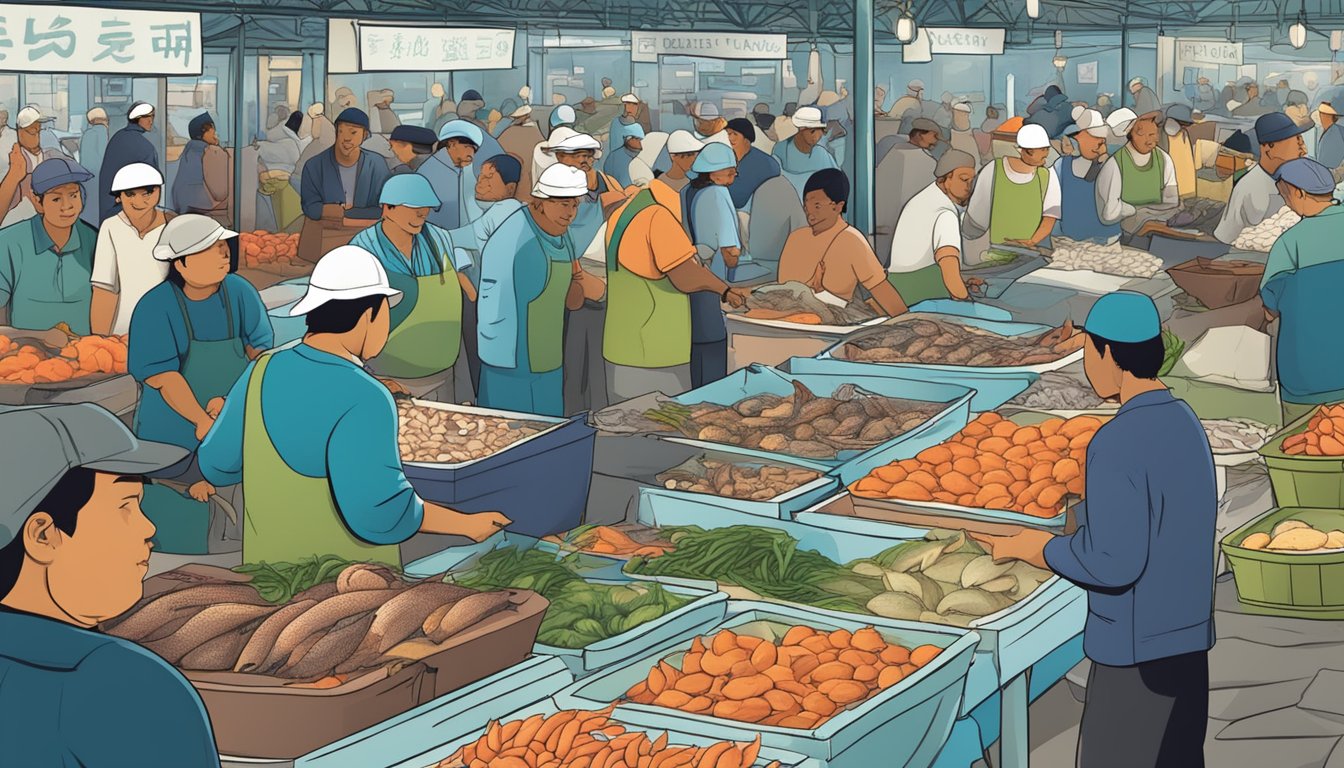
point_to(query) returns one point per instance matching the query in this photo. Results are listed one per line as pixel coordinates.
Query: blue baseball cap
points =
(1307, 175)
(411, 190)
(414, 134)
(1276, 126)
(634, 131)
(461, 129)
(50, 174)
(1124, 316)
(353, 116)
(714, 157)
(563, 115)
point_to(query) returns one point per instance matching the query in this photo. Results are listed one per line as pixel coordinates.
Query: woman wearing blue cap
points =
(451, 173)
(1143, 551)
(711, 220)
(420, 261)
(340, 188)
(202, 183)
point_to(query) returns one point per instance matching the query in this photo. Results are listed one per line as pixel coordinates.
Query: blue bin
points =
(540, 482)
(781, 507)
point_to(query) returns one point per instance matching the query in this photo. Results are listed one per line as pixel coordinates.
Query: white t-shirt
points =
(930, 221)
(124, 263)
(982, 199)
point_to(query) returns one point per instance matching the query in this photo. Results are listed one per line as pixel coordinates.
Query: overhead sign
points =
(1207, 52)
(433, 49)
(648, 46)
(967, 42)
(65, 38)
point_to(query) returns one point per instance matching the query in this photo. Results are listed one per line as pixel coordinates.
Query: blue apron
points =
(706, 307)
(1078, 218)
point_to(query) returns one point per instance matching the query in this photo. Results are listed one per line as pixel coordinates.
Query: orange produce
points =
(83, 356)
(1324, 435)
(581, 739)
(996, 464)
(814, 675)
(259, 248)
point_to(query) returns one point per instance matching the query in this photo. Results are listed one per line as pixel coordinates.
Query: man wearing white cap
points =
(313, 437)
(709, 122)
(124, 267)
(803, 155)
(1016, 199)
(682, 149)
(963, 136)
(26, 155)
(529, 279)
(1330, 147)
(92, 149)
(1078, 179)
(1137, 185)
(624, 121)
(128, 145)
(451, 171)
(1145, 98)
(521, 140)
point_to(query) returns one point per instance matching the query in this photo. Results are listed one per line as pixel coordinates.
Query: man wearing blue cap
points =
(411, 147)
(202, 183)
(340, 188)
(46, 262)
(1254, 197)
(618, 162)
(1301, 286)
(1143, 550)
(74, 550)
(451, 172)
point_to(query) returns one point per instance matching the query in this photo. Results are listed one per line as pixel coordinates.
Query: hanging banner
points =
(433, 49)
(648, 46)
(1210, 53)
(966, 42)
(76, 39)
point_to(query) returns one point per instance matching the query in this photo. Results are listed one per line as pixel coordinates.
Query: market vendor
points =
(803, 154)
(529, 279)
(832, 255)
(625, 155)
(1254, 197)
(316, 448)
(421, 263)
(1016, 199)
(124, 267)
(711, 221)
(46, 262)
(926, 249)
(682, 149)
(340, 188)
(128, 145)
(651, 270)
(74, 550)
(1145, 553)
(1078, 180)
(1138, 183)
(1300, 286)
(411, 147)
(451, 172)
(1330, 146)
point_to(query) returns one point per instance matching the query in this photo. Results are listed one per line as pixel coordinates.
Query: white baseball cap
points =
(1089, 121)
(522, 111)
(187, 234)
(29, 115)
(566, 139)
(97, 113)
(808, 117)
(630, 98)
(136, 176)
(560, 180)
(682, 142)
(346, 273)
(706, 110)
(1121, 120)
(314, 110)
(1032, 136)
(140, 109)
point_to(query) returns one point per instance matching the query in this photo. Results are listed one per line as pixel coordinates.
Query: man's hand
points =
(1020, 243)
(975, 286)
(333, 211)
(395, 387)
(483, 525)
(214, 407)
(201, 491)
(730, 256)
(18, 166)
(1027, 546)
(203, 427)
(737, 297)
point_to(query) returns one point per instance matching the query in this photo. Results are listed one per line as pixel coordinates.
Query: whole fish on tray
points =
(942, 342)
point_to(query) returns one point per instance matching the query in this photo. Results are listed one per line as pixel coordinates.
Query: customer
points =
(129, 145)
(202, 183)
(124, 267)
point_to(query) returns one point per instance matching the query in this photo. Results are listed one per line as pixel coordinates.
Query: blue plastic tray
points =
(780, 507)
(905, 725)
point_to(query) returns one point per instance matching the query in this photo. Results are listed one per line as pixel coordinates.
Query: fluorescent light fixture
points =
(905, 28)
(1033, 9)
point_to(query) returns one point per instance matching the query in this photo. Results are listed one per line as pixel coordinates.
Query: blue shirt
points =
(1330, 149)
(1145, 552)
(798, 167)
(158, 343)
(514, 269)
(128, 145)
(40, 286)
(321, 184)
(326, 418)
(72, 696)
(753, 170)
(618, 164)
(1313, 240)
(1310, 355)
(423, 262)
(456, 189)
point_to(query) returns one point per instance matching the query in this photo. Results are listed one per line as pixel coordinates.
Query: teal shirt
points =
(72, 696)
(1311, 241)
(429, 250)
(42, 286)
(326, 418)
(514, 269)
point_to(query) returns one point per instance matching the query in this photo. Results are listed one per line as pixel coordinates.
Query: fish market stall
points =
(57, 366)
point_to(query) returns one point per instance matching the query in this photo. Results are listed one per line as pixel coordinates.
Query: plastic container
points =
(1303, 481)
(541, 481)
(1291, 584)
(904, 725)
(752, 341)
(780, 507)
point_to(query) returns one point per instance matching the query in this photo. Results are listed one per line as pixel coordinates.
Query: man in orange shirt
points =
(651, 269)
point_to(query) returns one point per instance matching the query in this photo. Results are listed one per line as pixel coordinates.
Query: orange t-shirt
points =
(850, 260)
(655, 242)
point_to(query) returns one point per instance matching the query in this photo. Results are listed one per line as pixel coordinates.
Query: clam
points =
(896, 605)
(973, 602)
(949, 567)
(983, 569)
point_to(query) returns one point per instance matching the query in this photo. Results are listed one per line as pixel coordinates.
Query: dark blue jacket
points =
(322, 184)
(129, 145)
(1145, 551)
(755, 168)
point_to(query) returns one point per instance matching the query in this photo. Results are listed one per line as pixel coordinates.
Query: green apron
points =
(1140, 186)
(648, 322)
(1016, 210)
(921, 285)
(426, 323)
(546, 313)
(288, 517)
(210, 369)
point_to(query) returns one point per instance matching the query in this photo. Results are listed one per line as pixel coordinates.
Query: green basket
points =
(1304, 586)
(1303, 481)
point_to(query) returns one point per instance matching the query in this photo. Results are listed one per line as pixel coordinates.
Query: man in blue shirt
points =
(74, 549)
(1144, 553)
(754, 167)
(340, 188)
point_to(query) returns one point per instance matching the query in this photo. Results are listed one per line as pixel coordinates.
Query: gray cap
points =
(58, 438)
(951, 160)
(925, 124)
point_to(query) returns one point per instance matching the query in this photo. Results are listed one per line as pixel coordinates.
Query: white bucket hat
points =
(808, 117)
(561, 181)
(136, 176)
(1121, 120)
(187, 234)
(682, 142)
(566, 139)
(345, 273)
(629, 98)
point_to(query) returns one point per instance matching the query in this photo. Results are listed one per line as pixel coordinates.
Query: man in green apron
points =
(419, 260)
(1016, 199)
(926, 247)
(313, 437)
(1138, 184)
(651, 270)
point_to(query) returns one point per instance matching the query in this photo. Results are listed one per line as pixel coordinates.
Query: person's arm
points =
(178, 395)
(497, 306)
(948, 260)
(1110, 208)
(215, 169)
(371, 210)
(574, 296)
(1235, 215)
(1270, 294)
(370, 487)
(976, 220)
(314, 206)
(869, 273)
(258, 335)
(1171, 193)
(154, 359)
(1280, 260)
(106, 285)
(1042, 231)
(220, 456)
(1110, 552)
(468, 290)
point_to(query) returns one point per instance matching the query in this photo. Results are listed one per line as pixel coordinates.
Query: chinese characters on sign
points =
(64, 38)
(434, 49)
(648, 46)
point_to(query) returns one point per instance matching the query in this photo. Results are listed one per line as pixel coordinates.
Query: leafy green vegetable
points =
(279, 582)
(1172, 349)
